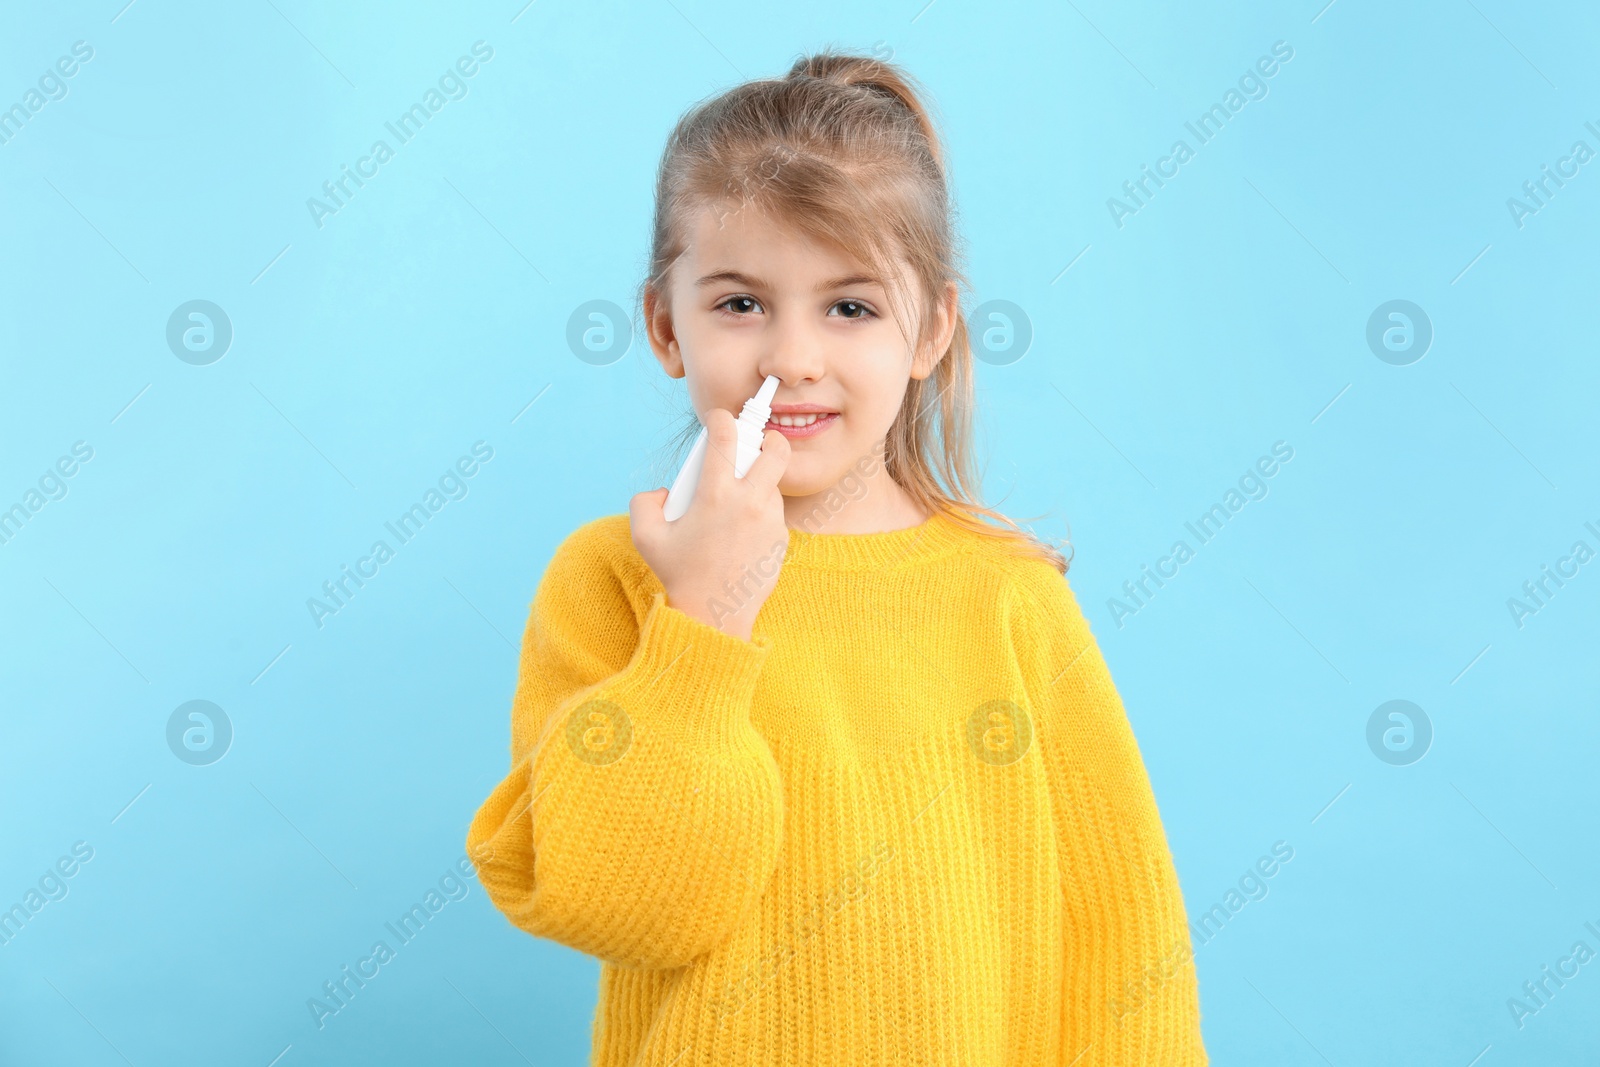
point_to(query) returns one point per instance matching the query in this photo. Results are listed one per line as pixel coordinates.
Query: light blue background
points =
(369, 354)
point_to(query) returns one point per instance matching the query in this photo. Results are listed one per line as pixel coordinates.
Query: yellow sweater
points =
(906, 823)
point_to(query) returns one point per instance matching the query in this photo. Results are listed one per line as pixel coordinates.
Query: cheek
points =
(715, 368)
(878, 389)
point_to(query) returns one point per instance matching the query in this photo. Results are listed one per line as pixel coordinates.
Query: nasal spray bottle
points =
(752, 430)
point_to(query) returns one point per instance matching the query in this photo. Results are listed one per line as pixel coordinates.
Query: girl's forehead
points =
(728, 237)
(739, 224)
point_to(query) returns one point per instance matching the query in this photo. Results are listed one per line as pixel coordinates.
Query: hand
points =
(719, 561)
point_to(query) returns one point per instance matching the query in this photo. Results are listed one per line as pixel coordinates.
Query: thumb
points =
(646, 512)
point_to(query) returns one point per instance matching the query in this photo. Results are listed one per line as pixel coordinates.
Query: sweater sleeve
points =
(643, 813)
(1130, 993)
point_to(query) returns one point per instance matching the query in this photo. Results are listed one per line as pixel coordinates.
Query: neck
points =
(857, 503)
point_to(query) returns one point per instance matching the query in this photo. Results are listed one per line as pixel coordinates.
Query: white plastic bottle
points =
(752, 429)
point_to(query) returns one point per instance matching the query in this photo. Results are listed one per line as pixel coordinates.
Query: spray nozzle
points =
(761, 403)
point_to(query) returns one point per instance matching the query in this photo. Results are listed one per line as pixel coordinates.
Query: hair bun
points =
(875, 75)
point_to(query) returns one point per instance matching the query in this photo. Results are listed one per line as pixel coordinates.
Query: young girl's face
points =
(750, 298)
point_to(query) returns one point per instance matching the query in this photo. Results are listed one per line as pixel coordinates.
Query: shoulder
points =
(1056, 652)
(608, 535)
(1035, 599)
(1041, 608)
(595, 559)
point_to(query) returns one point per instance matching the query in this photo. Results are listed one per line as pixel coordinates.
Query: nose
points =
(794, 350)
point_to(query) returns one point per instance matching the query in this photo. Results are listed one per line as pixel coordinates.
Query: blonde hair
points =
(839, 139)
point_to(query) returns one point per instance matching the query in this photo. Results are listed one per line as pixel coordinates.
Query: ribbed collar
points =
(936, 536)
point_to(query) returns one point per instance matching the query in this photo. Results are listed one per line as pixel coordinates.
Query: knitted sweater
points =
(906, 823)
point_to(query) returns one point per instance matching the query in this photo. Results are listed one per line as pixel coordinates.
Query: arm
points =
(643, 813)
(1131, 994)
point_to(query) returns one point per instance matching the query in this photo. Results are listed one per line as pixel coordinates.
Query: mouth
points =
(807, 424)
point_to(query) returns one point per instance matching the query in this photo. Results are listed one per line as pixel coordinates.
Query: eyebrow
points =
(756, 283)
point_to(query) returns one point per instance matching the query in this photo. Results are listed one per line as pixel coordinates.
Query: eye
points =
(864, 310)
(737, 300)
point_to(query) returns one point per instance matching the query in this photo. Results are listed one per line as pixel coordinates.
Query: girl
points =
(830, 770)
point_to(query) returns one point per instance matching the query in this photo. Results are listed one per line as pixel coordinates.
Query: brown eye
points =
(741, 300)
(858, 306)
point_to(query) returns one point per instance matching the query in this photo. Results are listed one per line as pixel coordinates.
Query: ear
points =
(658, 329)
(945, 316)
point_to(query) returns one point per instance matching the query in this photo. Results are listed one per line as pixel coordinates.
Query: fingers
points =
(722, 445)
(645, 515)
(768, 468)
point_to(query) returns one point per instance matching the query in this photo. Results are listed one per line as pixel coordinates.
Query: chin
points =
(801, 486)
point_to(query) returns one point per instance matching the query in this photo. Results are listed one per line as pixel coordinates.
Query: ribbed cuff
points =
(692, 683)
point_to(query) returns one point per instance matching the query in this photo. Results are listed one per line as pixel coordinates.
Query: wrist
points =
(717, 614)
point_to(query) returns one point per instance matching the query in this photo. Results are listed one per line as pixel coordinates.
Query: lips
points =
(818, 424)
